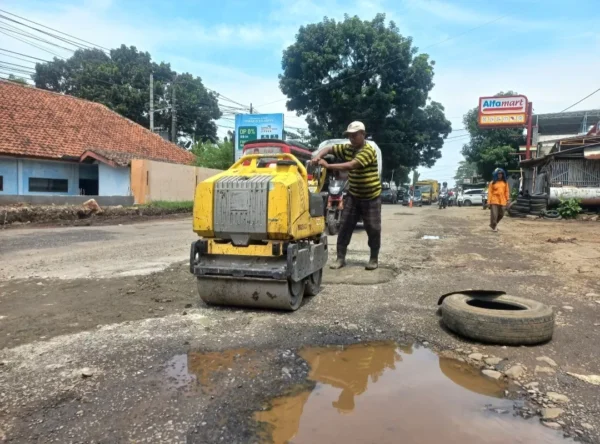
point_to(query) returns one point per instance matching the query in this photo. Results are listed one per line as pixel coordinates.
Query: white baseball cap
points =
(354, 127)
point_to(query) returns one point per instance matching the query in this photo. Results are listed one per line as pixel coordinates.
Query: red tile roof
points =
(43, 124)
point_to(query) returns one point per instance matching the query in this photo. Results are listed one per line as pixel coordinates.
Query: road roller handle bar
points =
(254, 158)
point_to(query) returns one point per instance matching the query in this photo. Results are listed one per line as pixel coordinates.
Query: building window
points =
(39, 185)
(1, 183)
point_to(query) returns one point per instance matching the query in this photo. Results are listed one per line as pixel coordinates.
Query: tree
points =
(465, 170)
(300, 135)
(337, 72)
(15, 79)
(121, 81)
(214, 155)
(489, 149)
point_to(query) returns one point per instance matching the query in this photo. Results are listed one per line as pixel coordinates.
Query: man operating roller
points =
(364, 197)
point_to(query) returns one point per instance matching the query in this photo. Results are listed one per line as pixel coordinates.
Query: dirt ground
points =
(91, 318)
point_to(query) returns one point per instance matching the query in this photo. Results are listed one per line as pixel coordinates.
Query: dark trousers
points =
(354, 209)
(496, 215)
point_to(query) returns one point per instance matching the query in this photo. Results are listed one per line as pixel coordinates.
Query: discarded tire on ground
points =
(551, 214)
(503, 319)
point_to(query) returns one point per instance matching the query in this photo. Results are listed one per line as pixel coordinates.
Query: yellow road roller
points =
(261, 226)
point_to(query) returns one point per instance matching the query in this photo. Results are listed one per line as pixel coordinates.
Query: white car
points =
(471, 197)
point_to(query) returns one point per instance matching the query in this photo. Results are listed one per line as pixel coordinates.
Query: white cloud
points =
(552, 79)
(451, 12)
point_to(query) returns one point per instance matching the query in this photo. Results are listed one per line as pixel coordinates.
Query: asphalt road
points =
(94, 252)
(90, 345)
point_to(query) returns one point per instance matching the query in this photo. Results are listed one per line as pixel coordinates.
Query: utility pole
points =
(173, 115)
(151, 102)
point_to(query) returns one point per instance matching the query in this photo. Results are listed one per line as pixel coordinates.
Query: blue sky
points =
(546, 50)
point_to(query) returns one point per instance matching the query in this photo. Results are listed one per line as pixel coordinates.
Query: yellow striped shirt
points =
(364, 181)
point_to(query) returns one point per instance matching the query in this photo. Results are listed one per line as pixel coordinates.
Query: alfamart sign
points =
(503, 111)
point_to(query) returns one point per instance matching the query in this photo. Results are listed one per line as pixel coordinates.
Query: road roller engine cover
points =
(262, 227)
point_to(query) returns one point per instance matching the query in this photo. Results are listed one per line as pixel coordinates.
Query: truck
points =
(430, 190)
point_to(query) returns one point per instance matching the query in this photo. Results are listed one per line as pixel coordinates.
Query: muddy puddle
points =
(384, 393)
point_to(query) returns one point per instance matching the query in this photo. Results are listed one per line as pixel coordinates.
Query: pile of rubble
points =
(70, 214)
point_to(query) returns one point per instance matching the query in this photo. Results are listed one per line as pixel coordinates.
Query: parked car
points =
(400, 194)
(471, 197)
(389, 196)
(484, 198)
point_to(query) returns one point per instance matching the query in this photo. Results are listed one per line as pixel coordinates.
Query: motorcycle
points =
(335, 204)
(443, 201)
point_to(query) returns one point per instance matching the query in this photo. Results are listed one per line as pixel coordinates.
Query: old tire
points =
(551, 214)
(520, 209)
(313, 283)
(514, 321)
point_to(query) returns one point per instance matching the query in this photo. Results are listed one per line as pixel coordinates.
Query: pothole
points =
(357, 275)
(385, 393)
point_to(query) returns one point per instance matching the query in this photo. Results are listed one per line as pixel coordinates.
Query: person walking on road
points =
(498, 195)
(364, 194)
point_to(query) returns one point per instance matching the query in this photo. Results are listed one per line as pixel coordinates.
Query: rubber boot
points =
(339, 263)
(373, 262)
(341, 258)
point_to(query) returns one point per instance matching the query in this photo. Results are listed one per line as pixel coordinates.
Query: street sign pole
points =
(529, 123)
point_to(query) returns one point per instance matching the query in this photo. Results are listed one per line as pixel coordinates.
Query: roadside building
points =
(54, 148)
(551, 128)
(570, 170)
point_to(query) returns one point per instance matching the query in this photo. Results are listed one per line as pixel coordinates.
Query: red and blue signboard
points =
(505, 112)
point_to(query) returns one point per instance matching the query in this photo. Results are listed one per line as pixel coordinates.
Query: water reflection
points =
(381, 393)
(349, 368)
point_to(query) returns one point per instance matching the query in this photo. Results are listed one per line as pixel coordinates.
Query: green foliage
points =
(337, 72)
(569, 209)
(465, 170)
(300, 135)
(121, 81)
(489, 149)
(15, 79)
(214, 155)
(401, 175)
(514, 194)
(183, 206)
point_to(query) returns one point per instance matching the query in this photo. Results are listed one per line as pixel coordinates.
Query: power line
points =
(55, 30)
(62, 39)
(71, 42)
(578, 102)
(458, 137)
(33, 44)
(223, 108)
(24, 71)
(16, 64)
(18, 58)
(32, 36)
(394, 59)
(24, 55)
(13, 74)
